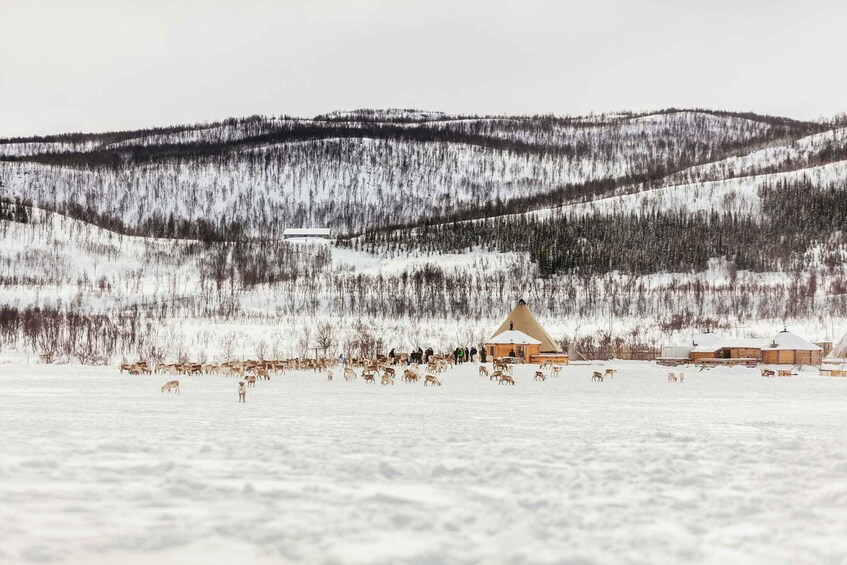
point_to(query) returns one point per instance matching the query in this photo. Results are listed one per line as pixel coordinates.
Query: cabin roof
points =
(306, 231)
(732, 343)
(513, 337)
(786, 340)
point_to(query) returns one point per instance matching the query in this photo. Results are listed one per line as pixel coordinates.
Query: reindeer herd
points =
(384, 370)
(369, 370)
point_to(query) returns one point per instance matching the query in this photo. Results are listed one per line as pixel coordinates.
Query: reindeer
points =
(597, 376)
(171, 385)
(390, 372)
(507, 379)
(388, 378)
(410, 376)
(242, 392)
(610, 373)
(329, 375)
(433, 380)
(169, 369)
(681, 377)
(768, 373)
(250, 380)
(483, 372)
(262, 373)
(496, 376)
(368, 376)
(349, 374)
(546, 365)
(539, 376)
(556, 371)
(672, 378)
(232, 371)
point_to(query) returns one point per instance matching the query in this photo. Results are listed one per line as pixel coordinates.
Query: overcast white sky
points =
(92, 65)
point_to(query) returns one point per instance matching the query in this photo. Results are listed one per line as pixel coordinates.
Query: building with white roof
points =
(306, 233)
(787, 348)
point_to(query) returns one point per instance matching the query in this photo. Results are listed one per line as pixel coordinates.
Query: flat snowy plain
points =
(727, 467)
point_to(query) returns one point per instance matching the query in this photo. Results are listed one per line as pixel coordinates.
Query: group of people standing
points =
(420, 357)
(465, 355)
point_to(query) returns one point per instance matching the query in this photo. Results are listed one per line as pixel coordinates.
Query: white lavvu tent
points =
(840, 349)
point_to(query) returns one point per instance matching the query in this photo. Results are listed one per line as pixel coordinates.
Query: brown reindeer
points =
(768, 373)
(433, 380)
(349, 374)
(496, 376)
(539, 376)
(556, 371)
(610, 373)
(546, 365)
(250, 380)
(232, 371)
(171, 385)
(483, 372)
(329, 375)
(410, 376)
(507, 379)
(242, 392)
(597, 376)
(387, 379)
(368, 376)
(672, 378)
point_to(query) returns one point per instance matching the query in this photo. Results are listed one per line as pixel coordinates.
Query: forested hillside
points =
(368, 170)
(166, 239)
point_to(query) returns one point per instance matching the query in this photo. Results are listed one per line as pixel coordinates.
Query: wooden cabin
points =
(787, 348)
(515, 344)
(522, 320)
(729, 349)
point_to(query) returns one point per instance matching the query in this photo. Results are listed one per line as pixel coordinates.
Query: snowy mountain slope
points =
(664, 222)
(738, 194)
(55, 260)
(361, 170)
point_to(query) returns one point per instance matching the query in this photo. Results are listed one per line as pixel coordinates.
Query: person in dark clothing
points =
(473, 353)
(391, 353)
(467, 355)
(429, 354)
(420, 355)
(511, 353)
(482, 355)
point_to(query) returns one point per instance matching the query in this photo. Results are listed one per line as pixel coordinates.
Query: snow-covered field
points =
(727, 467)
